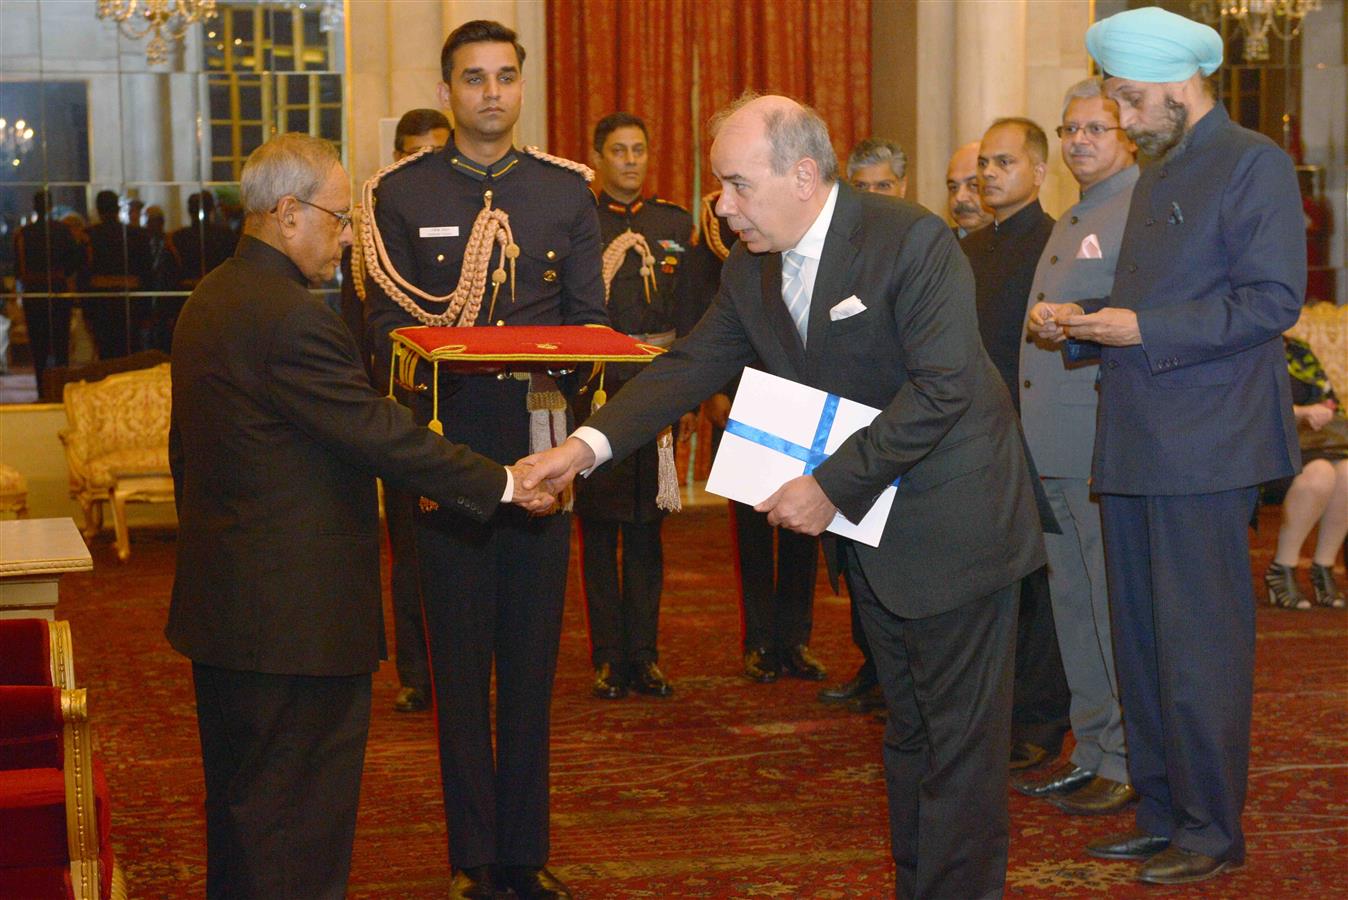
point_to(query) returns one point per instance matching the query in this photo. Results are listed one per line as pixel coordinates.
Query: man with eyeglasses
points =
(275, 441)
(1012, 162)
(1057, 410)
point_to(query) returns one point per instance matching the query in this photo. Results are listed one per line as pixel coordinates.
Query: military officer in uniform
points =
(776, 595)
(645, 241)
(492, 592)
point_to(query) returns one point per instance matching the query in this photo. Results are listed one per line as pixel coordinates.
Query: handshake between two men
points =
(800, 504)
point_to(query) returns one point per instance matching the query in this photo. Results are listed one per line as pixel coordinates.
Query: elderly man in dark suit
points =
(938, 596)
(1195, 413)
(275, 443)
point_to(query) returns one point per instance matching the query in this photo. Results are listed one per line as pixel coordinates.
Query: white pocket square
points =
(1090, 248)
(846, 309)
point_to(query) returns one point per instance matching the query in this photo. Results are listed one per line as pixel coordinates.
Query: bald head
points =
(776, 166)
(961, 184)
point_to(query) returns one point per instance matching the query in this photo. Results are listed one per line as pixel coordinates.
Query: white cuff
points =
(509, 494)
(597, 443)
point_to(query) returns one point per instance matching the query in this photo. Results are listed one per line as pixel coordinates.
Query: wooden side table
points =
(34, 554)
(136, 487)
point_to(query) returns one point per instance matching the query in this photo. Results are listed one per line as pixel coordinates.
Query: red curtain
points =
(623, 55)
(638, 56)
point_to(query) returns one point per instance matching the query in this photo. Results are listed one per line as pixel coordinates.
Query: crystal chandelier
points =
(164, 20)
(16, 139)
(1257, 19)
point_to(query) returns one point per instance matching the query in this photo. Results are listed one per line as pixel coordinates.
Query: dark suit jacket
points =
(275, 443)
(964, 522)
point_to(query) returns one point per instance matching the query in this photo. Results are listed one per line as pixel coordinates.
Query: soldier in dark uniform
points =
(645, 241)
(119, 261)
(776, 597)
(492, 592)
(47, 257)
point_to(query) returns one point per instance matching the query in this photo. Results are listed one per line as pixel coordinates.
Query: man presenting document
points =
(937, 596)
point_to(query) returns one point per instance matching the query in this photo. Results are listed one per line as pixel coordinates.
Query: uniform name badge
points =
(439, 231)
(779, 430)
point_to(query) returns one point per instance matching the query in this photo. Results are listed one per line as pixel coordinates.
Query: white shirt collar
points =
(812, 244)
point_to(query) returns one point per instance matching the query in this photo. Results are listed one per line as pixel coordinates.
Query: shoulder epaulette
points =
(711, 226)
(670, 203)
(562, 162)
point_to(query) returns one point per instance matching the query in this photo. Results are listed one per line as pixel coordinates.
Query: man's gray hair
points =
(288, 165)
(1087, 89)
(793, 135)
(873, 151)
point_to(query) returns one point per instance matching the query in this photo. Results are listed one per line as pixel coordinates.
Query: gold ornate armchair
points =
(54, 806)
(1325, 327)
(118, 427)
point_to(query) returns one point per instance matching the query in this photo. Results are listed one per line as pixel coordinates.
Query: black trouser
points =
(282, 755)
(867, 669)
(947, 686)
(409, 632)
(1182, 615)
(493, 593)
(624, 617)
(48, 323)
(778, 612)
(1042, 698)
(118, 325)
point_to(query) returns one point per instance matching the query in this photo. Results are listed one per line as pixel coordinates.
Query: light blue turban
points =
(1151, 44)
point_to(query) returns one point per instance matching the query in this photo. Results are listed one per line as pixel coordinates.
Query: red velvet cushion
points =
(30, 727)
(47, 882)
(522, 346)
(25, 652)
(33, 819)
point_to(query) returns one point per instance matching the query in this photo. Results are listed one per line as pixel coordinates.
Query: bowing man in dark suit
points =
(938, 596)
(275, 443)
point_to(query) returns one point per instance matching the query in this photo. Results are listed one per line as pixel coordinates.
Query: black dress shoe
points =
(761, 665)
(1098, 797)
(798, 662)
(532, 883)
(871, 701)
(1062, 780)
(649, 680)
(1175, 865)
(607, 685)
(473, 883)
(1025, 755)
(863, 682)
(410, 700)
(1133, 845)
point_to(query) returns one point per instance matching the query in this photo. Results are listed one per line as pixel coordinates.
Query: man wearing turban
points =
(1195, 412)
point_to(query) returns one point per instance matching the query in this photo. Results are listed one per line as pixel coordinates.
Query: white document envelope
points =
(846, 309)
(777, 410)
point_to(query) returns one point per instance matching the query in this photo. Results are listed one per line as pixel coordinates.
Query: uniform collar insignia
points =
(622, 209)
(479, 172)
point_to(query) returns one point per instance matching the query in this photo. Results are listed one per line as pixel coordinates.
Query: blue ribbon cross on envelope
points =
(779, 430)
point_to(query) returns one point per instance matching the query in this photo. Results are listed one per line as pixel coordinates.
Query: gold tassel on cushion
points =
(547, 422)
(667, 477)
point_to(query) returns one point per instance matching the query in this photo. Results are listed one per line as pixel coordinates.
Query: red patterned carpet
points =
(725, 790)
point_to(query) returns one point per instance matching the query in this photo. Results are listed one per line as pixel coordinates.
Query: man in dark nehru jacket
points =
(1195, 413)
(870, 298)
(275, 442)
(416, 128)
(492, 592)
(645, 242)
(1012, 161)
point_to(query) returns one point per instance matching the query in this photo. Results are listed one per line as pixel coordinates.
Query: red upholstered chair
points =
(54, 814)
